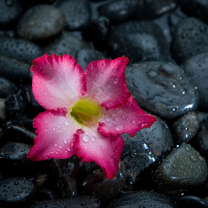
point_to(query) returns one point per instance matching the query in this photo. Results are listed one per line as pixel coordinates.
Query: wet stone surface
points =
(138, 40)
(183, 169)
(41, 22)
(186, 127)
(162, 88)
(147, 147)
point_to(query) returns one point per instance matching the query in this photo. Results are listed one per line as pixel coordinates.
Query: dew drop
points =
(66, 123)
(59, 126)
(193, 158)
(65, 141)
(54, 128)
(93, 138)
(86, 138)
(68, 149)
(134, 121)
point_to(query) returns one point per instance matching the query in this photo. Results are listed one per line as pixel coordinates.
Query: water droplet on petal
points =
(68, 149)
(65, 141)
(86, 138)
(54, 128)
(134, 121)
(66, 123)
(59, 126)
(93, 138)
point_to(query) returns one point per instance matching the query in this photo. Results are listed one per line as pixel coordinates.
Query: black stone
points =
(87, 55)
(14, 151)
(192, 202)
(14, 70)
(138, 40)
(77, 13)
(66, 44)
(19, 49)
(41, 22)
(98, 185)
(147, 147)
(196, 68)
(190, 38)
(6, 87)
(15, 190)
(186, 127)
(10, 11)
(182, 170)
(195, 8)
(78, 202)
(202, 139)
(162, 88)
(141, 199)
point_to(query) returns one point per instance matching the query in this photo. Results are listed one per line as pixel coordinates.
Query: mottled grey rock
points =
(183, 169)
(41, 22)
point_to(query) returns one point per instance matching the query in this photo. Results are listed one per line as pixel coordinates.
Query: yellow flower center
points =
(86, 112)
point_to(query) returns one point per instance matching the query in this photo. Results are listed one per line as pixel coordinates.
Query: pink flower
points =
(85, 113)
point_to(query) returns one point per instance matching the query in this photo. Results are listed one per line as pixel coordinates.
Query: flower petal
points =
(105, 81)
(90, 145)
(55, 136)
(128, 118)
(57, 81)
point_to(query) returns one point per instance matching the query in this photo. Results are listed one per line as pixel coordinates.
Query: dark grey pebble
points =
(14, 151)
(78, 202)
(190, 38)
(162, 88)
(86, 55)
(196, 67)
(77, 13)
(141, 199)
(186, 127)
(201, 141)
(147, 147)
(195, 8)
(15, 190)
(10, 11)
(182, 170)
(66, 44)
(41, 22)
(138, 40)
(192, 202)
(6, 87)
(98, 185)
(14, 70)
(19, 49)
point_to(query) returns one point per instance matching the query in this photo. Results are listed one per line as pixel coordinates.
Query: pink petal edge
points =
(90, 146)
(57, 81)
(55, 136)
(105, 81)
(128, 118)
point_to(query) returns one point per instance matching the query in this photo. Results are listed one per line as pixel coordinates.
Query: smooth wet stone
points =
(182, 170)
(186, 127)
(97, 31)
(78, 202)
(190, 38)
(66, 44)
(197, 69)
(14, 70)
(141, 199)
(147, 147)
(162, 88)
(41, 22)
(192, 202)
(120, 10)
(98, 185)
(66, 176)
(14, 151)
(137, 40)
(15, 190)
(14, 133)
(6, 87)
(19, 49)
(87, 55)
(77, 13)
(10, 11)
(195, 8)
(202, 139)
